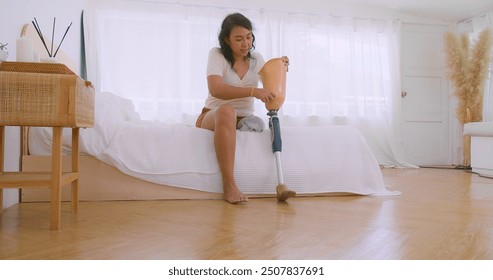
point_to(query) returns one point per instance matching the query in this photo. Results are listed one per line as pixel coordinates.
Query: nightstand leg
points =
(1, 201)
(2, 147)
(56, 169)
(75, 168)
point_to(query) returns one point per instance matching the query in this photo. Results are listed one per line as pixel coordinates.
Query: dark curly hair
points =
(228, 24)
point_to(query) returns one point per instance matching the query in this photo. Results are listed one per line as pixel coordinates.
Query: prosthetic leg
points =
(273, 76)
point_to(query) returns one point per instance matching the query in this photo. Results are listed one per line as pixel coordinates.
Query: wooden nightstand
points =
(49, 100)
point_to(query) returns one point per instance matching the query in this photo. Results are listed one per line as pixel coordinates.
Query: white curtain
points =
(342, 70)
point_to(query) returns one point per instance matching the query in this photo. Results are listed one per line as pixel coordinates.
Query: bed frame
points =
(99, 181)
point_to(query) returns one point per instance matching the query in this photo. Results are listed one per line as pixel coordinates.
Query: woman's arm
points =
(221, 90)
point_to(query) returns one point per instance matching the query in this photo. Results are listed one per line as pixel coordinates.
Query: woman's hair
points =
(228, 24)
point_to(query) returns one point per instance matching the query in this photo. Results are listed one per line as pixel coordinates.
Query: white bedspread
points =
(322, 159)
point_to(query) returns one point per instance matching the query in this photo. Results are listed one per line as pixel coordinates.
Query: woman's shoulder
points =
(216, 54)
(258, 60)
(215, 51)
(216, 63)
(257, 55)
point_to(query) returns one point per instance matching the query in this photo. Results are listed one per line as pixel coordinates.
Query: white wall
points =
(13, 15)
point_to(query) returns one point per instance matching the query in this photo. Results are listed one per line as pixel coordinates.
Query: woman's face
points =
(240, 41)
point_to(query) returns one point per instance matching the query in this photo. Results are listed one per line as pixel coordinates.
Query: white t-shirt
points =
(218, 65)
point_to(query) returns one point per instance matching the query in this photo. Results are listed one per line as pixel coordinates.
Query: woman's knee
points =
(226, 113)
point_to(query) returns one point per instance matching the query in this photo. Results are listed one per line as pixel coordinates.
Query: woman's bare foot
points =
(233, 195)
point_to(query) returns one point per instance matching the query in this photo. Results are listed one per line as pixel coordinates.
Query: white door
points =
(425, 99)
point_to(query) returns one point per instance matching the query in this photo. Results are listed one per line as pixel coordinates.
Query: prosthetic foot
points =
(283, 193)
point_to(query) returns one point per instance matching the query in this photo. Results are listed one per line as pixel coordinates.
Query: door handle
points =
(403, 93)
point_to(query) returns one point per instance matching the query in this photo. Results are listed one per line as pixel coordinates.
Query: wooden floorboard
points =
(441, 214)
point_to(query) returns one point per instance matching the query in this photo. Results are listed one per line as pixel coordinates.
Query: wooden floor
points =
(441, 214)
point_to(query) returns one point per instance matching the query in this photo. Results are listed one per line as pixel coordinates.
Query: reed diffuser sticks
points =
(40, 34)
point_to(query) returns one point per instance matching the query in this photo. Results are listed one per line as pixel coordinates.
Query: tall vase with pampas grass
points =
(467, 69)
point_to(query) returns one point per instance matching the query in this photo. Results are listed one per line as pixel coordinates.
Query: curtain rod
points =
(490, 14)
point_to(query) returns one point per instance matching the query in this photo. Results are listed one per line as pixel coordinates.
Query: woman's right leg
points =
(223, 122)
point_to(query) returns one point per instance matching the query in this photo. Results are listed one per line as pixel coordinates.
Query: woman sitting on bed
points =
(232, 78)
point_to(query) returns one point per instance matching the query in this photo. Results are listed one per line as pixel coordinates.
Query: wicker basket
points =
(39, 99)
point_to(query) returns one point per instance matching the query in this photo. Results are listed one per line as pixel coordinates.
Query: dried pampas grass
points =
(468, 69)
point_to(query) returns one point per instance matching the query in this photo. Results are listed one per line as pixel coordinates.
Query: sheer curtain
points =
(342, 70)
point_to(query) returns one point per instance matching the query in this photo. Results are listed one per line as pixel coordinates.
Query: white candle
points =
(24, 50)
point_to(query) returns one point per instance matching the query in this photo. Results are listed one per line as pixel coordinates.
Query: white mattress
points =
(314, 159)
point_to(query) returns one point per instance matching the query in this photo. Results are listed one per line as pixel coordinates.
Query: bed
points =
(126, 158)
